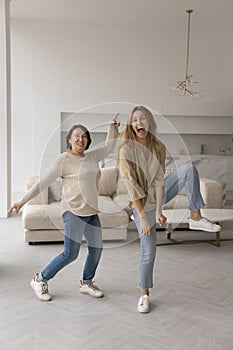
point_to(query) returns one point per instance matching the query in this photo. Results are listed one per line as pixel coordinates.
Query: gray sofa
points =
(42, 221)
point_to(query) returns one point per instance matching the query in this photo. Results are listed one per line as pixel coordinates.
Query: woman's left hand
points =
(116, 121)
(161, 219)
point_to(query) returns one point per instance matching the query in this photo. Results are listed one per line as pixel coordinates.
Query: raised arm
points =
(112, 136)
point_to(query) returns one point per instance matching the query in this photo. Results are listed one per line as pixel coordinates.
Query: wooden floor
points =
(191, 303)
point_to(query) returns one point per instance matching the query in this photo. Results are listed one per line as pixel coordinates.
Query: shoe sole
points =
(144, 312)
(93, 296)
(203, 229)
(32, 286)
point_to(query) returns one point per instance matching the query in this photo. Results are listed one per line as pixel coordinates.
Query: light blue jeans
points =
(148, 250)
(75, 227)
(184, 176)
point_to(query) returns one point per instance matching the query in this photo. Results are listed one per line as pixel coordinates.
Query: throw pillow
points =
(55, 191)
(107, 181)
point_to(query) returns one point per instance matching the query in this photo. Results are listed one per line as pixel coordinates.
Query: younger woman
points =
(140, 156)
(141, 160)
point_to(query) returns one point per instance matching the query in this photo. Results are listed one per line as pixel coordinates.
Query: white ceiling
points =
(209, 15)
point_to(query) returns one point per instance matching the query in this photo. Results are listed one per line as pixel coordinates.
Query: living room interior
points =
(78, 61)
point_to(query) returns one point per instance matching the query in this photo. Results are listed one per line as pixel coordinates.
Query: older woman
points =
(78, 169)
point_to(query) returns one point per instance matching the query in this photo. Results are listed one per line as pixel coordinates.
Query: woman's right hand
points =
(144, 225)
(15, 206)
(116, 121)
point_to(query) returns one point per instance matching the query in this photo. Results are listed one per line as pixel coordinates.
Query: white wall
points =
(65, 67)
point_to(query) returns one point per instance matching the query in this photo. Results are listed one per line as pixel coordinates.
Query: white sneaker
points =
(144, 304)
(204, 225)
(91, 289)
(40, 288)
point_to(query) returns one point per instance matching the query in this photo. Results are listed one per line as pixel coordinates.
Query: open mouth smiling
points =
(141, 130)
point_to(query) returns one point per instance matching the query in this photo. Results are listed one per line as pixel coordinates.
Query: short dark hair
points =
(85, 131)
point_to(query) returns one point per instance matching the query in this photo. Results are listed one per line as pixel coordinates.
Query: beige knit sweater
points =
(79, 177)
(141, 172)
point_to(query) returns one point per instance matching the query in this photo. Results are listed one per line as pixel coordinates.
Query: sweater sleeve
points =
(102, 152)
(162, 157)
(159, 173)
(43, 182)
(129, 176)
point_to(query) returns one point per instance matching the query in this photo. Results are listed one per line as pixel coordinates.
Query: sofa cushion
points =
(212, 192)
(120, 187)
(42, 217)
(111, 214)
(119, 220)
(42, 197)
(121, 199)
(107, 181)
(108, 205)
(55, 191)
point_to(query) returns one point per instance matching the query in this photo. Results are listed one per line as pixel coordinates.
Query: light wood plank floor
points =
(191, 303)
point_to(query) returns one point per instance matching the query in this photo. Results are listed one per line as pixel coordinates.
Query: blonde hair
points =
(129, 134)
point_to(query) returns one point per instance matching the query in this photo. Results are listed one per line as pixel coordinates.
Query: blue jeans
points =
(184, 176)
(75, 227)
(148, 250)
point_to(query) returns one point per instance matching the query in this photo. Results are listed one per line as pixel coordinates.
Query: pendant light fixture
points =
(184, 85)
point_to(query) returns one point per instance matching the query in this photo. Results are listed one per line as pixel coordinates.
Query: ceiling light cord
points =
(183, 85)
(188, 40)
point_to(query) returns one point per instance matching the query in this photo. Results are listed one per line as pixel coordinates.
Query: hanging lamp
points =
(184, 85)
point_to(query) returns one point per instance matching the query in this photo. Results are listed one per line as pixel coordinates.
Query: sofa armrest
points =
(212, 192)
